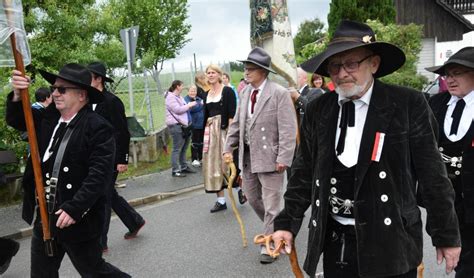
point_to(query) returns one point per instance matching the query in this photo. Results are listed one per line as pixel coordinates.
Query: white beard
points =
(354, 91)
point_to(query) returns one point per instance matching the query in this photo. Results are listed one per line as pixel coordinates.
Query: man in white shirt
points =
(454, 111)
(364, 148)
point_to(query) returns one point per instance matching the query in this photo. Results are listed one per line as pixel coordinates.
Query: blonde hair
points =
(217, 69)
(201, 81)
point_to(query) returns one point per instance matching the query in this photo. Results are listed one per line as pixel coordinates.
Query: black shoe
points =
(266, 259)
(218, 207)
(178, 174)
(242, 197)
(15, 246)
(188, 170)
(130, 235)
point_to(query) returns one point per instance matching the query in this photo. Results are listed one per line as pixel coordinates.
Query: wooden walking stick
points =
(274, 252)
(32, 140)
(230, 181)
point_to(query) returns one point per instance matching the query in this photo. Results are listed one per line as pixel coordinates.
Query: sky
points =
(220, 29)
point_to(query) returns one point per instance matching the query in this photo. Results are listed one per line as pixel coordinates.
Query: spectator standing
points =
(43, 98)
(197, 116)
(202, 85)
(178, 116)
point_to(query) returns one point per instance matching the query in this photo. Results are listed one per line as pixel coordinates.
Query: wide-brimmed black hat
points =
(259, 57)
(77, 75)
(350, 35)
(98, 68)
(464, 57)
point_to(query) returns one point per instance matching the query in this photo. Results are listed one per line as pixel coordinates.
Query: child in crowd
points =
(197, 115)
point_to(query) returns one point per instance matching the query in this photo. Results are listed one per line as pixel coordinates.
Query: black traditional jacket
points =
(439, 106)
(113, 110)
(388, 230)
(86, 169)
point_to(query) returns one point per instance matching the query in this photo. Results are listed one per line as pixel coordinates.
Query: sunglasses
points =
(61, 90)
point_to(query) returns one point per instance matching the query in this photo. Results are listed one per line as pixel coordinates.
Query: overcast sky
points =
(220, 29)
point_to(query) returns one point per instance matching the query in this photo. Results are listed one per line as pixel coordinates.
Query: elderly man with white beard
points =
(363, 151)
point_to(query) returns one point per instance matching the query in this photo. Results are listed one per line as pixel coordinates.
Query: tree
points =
(309, 31)
(162, 32)
(360, 10)
(236, 66)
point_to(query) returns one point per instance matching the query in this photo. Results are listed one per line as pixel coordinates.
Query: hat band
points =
(365, 39)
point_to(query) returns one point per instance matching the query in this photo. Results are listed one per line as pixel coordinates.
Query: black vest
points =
(341, 194)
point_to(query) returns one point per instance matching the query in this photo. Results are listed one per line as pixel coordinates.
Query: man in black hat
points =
(264, 131)
(363, 150)
(113, 110)
(454, 111)
(77, 154)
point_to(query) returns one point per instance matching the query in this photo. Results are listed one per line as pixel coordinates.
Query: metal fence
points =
(148, 101)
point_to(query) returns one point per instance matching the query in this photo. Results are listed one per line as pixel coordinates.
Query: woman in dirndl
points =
(219, 109)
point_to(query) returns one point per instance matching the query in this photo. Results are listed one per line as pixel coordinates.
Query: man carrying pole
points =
(77, 159)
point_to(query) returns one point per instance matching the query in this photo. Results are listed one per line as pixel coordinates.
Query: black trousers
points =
(86, 256)
(465, 267)
(197, 144)
(7, 248)
(127, 214)
(340, 253)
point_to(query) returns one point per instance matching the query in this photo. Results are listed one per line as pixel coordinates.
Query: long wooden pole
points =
(33, 143)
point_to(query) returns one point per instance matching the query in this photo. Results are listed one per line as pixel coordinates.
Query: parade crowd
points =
(363, 154)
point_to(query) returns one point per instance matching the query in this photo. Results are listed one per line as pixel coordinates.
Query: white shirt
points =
(466, 118)
(354, 134)
(260, 89)
(47, 154)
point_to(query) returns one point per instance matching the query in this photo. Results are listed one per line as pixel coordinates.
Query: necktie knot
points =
(253, 100)
(457, 113)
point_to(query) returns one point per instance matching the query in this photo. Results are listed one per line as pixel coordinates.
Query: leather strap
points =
(57, 169)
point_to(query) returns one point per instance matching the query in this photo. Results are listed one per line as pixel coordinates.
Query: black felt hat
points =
(350, 35)
(77, 75)
(464, 57)
(98, 68)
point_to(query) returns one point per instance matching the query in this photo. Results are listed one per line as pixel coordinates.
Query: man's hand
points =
(122, 168)
(64, 219)
(228, 157)
(280, 168)
(450, 254)
(19, 82)
(285, 236)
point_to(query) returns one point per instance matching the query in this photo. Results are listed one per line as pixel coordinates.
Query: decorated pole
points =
(14, 22)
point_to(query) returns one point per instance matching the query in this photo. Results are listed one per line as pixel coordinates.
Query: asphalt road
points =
(182, 239)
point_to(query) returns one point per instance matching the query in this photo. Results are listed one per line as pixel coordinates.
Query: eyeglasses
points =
(61, 90)
(250, 69)
(349, 67)
(456, 74)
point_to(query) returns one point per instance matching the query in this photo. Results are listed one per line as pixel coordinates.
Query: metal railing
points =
(462, 6)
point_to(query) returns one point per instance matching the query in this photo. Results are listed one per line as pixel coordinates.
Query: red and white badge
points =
(378, 146)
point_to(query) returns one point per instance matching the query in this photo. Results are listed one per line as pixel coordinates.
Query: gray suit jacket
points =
(272, 129)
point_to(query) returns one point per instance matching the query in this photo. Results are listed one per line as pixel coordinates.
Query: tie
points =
(347, 119)
(58, 137)
(457, 113)
(253, 99)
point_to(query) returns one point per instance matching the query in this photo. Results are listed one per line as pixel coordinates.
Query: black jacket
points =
(113, 110)
(439, 106)
(409, 155)
(86, 169)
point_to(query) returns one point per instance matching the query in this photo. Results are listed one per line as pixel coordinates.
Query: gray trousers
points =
(264, 192)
